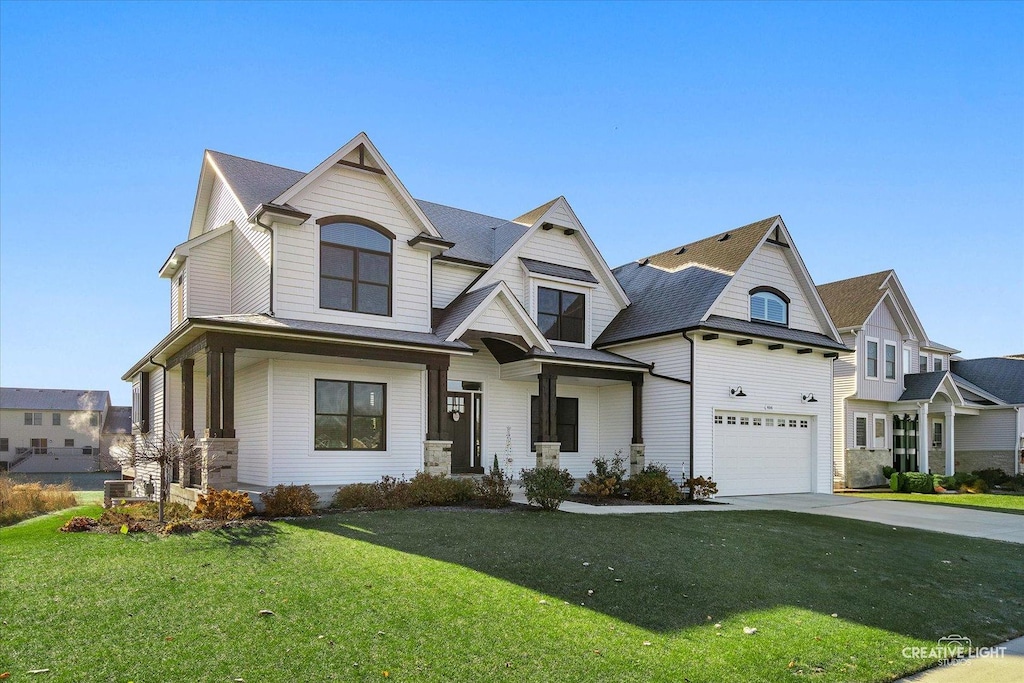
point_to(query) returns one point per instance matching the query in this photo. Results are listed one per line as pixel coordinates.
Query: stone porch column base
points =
(637, 459)
(437, 457)
(219, 463)
(547, 453)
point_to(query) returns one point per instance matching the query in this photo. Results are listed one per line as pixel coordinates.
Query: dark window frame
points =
(769, 290)
(69, 443)
(356, 251)
(574, 441)
(350, 415)
(5, 445)
(56, 420)
(31, 421)
(559, 335)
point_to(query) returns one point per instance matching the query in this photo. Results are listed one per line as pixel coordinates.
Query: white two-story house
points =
(328, 328)
(899, 400)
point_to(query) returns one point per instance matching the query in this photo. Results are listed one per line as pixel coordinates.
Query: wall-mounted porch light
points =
(737, 392)
(808, 398)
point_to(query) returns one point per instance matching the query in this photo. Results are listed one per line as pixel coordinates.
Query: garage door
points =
(762, 453)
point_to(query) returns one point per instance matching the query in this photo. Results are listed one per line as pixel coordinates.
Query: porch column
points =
(437, 448)
(950, 452)
(188, 428)
(923, 438)
(228, 393)
(637, 451)
(548, 448)
(213, 428)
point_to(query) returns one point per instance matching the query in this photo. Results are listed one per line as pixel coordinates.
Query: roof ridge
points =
(887, 271)
(714, 235)
(475, 213)
(257, 161)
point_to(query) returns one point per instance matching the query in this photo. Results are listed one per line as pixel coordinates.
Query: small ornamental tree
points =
(163, 452)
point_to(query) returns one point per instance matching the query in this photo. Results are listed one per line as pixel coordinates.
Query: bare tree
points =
(165, 453)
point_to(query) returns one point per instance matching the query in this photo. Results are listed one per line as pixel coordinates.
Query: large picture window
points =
(561, 315)
(349, 416)
(568, 423)
(355, 268)
(769, 305)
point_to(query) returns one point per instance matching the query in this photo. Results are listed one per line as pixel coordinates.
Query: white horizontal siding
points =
(769, 378)
(250, 270)
(769, 267)
(990, 430)
(208, 280)
(450, 281)
(356, 193)
(222, 208)
(293, 458)
(251, 425)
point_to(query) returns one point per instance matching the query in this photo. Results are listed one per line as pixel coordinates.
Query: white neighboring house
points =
(899, 394)
(56, 430)
(741, 351)
(328, 328)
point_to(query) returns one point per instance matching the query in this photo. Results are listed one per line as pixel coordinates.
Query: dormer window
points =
(769, 305)
(561, 315)
(355, 266)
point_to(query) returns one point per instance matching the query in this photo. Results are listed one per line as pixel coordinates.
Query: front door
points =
(464, 426)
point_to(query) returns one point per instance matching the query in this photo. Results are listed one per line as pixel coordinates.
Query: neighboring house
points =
(327, 328)
(54, 430)
(738, 318)
(896, 397)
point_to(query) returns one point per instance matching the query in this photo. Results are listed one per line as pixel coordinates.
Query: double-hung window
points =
(349, 416)
(567, 429)
(860, 431)
(871, 359)
(34, 419)
(907, 366)
(890, 361)
(937, 363)
(561, 315)
(355, 267)
(922, 361)
(936, 434)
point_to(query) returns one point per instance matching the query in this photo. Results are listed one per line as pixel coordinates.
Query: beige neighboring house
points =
(905, 401)
(59, 430)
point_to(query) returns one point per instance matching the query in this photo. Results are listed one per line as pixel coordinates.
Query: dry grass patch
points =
(21, 501)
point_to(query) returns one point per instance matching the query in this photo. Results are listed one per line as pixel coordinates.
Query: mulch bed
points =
(184, 527)
(613, 500)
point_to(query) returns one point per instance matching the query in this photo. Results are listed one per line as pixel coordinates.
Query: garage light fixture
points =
(737, 392)
(808, 398)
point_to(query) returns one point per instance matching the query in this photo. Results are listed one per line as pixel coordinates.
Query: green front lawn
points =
(993, 502)
(431, 595)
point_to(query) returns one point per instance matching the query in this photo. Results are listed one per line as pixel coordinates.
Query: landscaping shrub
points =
(887, 472)
(992, 476)
(653, 485)
(607, 477)
(395, 493)
(79, 524)
(701, 488)
(150, 512)
(352, 496)
(289, 500)
(919, 482)
(179, 527)
(21, 501)
(547, 486)
(223, 504)
(1015, 483)
(898, 482)
(437, 489)
(976, 486)
(494, 489)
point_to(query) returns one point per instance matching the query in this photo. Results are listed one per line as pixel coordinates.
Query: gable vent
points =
(680, 250)
(644, 261)
(724, 237)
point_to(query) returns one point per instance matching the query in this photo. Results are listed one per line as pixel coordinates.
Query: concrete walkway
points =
(1005, 667)
(997, 526)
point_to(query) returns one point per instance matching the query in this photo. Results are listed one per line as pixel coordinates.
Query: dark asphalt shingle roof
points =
(850, 302)
(259, 320)
(459, 309)
(119, 420)
(575, 353)
(254, 182)
(558, 270)
(15, 398)
(1001, 377)
(921, 386)
(768, 331)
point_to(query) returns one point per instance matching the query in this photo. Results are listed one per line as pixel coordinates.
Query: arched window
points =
(770, 305)
(355, 265)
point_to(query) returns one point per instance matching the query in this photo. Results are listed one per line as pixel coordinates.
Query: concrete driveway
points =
(998, 526)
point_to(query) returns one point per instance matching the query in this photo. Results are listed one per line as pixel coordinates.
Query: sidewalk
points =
(1009, 668)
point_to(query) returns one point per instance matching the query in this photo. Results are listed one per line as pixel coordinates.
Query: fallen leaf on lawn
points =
(38, 671)
(834, 614)
(590, 592)
(6, 674)
(597, 652)
(266, 613)
(749, 630)
(791, 665)
(611, 569)
(386, 673)
(169, 638)
(320, 637)
(618, 580)
(718, 626)
(380, 633)
(543, 602)
(946, 562)
(508, 665)
(647, 642)
(586, 564)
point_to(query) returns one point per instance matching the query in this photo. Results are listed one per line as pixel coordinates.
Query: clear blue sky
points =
(887, 135)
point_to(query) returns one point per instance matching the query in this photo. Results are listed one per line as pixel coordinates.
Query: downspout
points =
(270, 229)
(163, 437)
(692, 354)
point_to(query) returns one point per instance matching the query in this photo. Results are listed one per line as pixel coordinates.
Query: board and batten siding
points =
(293, 458)
(554, 246)
(208, 280)
(616, 416)
(449, 281)
(252, 388)
(769, 378)
(881, 325)
(666, 403)
(769, 267)
(345, 191)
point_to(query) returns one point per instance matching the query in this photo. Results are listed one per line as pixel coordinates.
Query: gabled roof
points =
(449, 318)
(726, 251)
(254, 182)
(458, 317)
(921, 386)
(1001, 377)
(16, 398)
(850, 302)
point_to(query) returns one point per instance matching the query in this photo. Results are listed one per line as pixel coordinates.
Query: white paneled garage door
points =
(759, 453)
